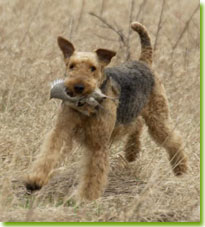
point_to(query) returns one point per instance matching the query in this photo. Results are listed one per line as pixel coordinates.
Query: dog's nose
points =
(79, 88)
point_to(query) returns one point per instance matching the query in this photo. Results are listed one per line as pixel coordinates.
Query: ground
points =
(144, 191)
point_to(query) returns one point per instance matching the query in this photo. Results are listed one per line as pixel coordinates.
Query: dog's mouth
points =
(78, 103)
(69, 92)
(60, 91)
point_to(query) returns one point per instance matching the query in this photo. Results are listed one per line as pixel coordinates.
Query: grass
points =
(144, 191)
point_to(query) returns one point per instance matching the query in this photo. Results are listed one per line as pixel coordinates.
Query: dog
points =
(126, 97)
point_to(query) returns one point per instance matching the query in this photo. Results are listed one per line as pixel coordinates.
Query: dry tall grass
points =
(144, 191)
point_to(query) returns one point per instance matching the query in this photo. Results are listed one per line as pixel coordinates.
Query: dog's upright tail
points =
(146, 47)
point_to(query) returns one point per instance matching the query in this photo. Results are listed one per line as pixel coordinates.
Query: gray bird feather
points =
(58, 91)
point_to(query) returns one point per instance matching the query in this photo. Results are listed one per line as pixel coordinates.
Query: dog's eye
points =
(92, 68)
(72, 66)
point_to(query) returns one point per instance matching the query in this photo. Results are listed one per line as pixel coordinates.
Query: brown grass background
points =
(144, 191)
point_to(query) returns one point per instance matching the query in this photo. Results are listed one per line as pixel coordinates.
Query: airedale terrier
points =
(138, 96)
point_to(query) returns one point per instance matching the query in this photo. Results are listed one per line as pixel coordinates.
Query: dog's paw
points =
(34, 183)
(32, 186)
(130, 157)
(180, 169)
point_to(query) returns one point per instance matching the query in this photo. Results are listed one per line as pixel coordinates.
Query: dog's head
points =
(84, 70)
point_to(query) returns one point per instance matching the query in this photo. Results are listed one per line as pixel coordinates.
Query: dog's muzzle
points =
(60, 91)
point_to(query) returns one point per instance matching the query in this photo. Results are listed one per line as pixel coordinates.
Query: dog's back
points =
(135, 80)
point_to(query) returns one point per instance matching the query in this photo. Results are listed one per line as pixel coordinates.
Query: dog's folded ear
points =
(105, 55)
(66, 47)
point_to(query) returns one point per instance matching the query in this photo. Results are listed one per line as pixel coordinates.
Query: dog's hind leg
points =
(162, 130)
(133, 144)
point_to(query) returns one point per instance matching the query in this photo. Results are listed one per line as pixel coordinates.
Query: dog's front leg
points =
(98, 130)
(57, 142)
(94, 173)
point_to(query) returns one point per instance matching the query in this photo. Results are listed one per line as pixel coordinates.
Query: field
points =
(144, 191)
